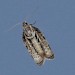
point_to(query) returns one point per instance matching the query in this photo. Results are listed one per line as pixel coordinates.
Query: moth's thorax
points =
(28, 30)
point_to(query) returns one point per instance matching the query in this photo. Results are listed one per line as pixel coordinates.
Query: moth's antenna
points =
(13, 27)
(28, 16)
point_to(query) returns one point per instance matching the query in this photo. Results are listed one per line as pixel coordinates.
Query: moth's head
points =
(27, 29)
(24, 25)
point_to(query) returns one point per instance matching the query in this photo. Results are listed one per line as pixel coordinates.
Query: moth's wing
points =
(48, 52)
(27, 44)
(37, 58)
(24, 40)
(38, 32)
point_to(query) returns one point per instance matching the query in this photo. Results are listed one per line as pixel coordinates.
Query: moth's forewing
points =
(37, 58)
(36, 44)
(44, 44)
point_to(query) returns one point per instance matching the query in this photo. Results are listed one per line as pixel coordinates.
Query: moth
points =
(36, 43)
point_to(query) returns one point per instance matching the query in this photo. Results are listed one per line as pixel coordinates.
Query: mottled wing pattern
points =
(37, 58)
(48, 52)
(36, 44)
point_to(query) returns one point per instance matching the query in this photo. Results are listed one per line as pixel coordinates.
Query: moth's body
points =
(36, 44)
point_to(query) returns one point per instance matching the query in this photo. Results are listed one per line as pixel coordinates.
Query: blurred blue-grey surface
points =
(55, 18)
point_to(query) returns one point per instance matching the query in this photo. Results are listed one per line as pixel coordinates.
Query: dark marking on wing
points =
(41, 36)
(28, 42)
(35, 36)
(23, 37)
(37, 30)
